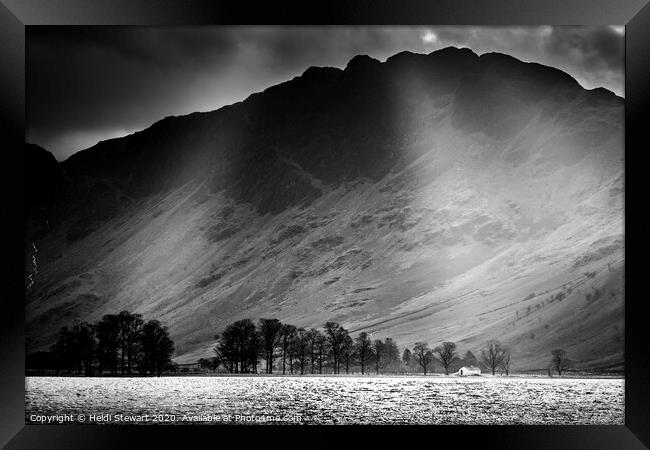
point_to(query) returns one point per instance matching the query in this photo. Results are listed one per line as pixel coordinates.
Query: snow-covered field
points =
(316, 399)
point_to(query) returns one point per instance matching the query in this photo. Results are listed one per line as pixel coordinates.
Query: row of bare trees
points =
(270, 345)
(120, 343)
(124, 343)
(243, 345)
(494, 356)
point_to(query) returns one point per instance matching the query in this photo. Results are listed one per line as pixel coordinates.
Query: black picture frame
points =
(15, 15)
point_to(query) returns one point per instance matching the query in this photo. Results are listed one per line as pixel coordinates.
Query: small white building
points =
(468, 370)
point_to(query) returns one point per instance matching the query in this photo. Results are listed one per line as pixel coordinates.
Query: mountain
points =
(447, 196)
(43, 178)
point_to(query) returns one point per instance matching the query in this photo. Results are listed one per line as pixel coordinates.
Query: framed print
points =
(304, 221)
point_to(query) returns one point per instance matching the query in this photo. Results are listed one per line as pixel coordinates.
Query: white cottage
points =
(471, 370)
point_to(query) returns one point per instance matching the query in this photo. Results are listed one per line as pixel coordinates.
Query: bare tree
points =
(391, 355)
(129, 326)
(321, 347)
(347, 352)
(254, 349)
(379, 351)
(423, 354)
(313, 336)
(239, 346)
(410, 361)
(505, 363)
(406, 357)
(559, 362)
(157, 347)
(335, 334)
(75, 348)
(363, 347)
(492, 355)
(271, 331)
(300, 348)
(288, 332)
(108, 329)
(446, 354)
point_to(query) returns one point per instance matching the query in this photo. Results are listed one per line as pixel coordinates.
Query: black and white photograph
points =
(325, 225)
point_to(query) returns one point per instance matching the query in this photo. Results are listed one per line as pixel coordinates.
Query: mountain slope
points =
(443, 196)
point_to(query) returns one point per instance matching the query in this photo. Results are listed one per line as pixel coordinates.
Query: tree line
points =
(120, 343)
(270, 346)
(124, 344)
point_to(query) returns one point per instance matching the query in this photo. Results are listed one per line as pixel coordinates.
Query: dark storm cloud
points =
(591, 50)
(594, 56)
(92, 83)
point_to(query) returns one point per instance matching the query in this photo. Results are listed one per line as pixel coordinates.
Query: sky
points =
(87, 84)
